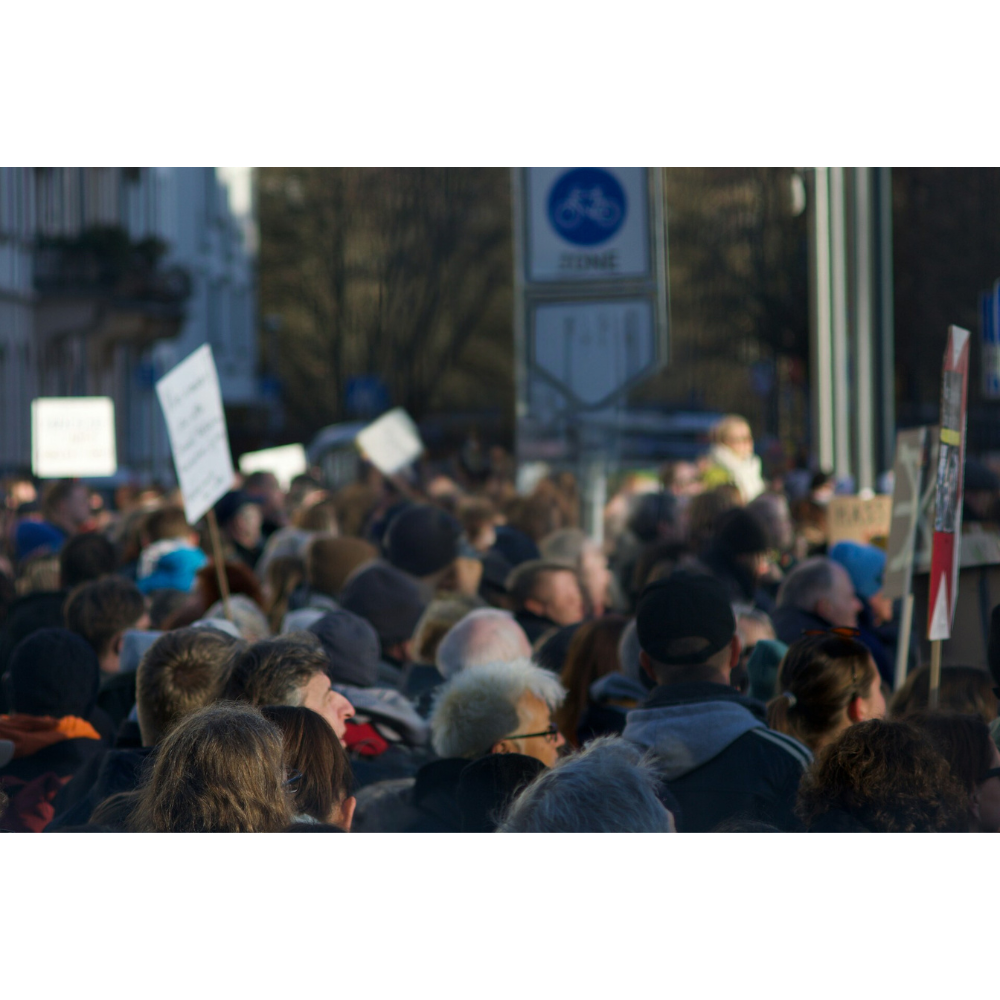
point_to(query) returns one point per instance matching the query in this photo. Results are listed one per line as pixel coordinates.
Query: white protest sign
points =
(285, 462)
(192, 406)
(73, 436)
(392, 442)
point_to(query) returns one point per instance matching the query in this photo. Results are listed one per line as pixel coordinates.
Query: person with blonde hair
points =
(732, 458)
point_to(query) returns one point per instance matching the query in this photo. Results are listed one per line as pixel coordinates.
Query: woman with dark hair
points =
(963, 689)
(882, 777)
(220, 770)
(827, 682)
(965, 742)
(319, 773)
(592, 655)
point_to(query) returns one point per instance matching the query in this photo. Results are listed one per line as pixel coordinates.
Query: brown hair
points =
(312, 749)
(241, 581)
(354, 504)
(887, 777)
(537, 516)
(274, 671)
(181, 672)
(100, 609)
(524, 580)
(167, 522)
(475, 514)
(963, 740)
(592, 653)
(824, 674)
(284, 574)
(438, 619)
(331, 560)
(56, 494)
(704, 511)
(220, 770)
(321, 516)
(963, 689)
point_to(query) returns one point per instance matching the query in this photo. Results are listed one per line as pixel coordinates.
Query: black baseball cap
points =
(684, 606)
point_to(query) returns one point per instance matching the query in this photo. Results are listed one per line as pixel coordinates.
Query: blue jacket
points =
(175, 570)
(718, 757)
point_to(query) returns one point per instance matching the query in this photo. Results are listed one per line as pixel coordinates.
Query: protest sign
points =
(73, 436)
(858, 519)
(286, 463)
(392, 442)
(192, 406)
(909, 494)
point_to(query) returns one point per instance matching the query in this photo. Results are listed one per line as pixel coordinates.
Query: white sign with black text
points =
(73, 436)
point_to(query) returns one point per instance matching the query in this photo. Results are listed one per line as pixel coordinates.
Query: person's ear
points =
(735, 647)
(347, 812)
(117, 641)
(647, 665)
(535, 607)
(857, 710)
(503, 746)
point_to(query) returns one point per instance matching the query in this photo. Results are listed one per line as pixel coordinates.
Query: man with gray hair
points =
(487, 635)
(608, 787)
(816, 595)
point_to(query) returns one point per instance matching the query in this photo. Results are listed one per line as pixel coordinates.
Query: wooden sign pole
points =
(903, 645)
(219, 560)
(932, 700)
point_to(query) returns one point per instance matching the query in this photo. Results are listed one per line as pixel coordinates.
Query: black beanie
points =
(53, 672)
(422, 540)
(487, 786)
(387, 598)
(352, 645)
(740, 533)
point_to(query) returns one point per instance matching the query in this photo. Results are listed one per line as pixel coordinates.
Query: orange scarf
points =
(31, 733)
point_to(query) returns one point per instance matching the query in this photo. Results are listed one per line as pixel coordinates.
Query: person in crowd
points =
(573, 547)
(487, 786)
(170, 557)
(246, 600)
(102, 611)
(737, 556)
(319, 774)
(882, 777)
(651, 525)
(219, 770)
(965, 742)
(330, 563)
(289, 670)
(180, 672)
(264, 488)
(595, 705)
(546, 596)
(713, 745)
(239, 517)
(962, 689)
(827, 682)
(478, 517)
(514, 546)
(605, 788)
(316, 595)
(773, 512)
(703, 512)
(390, 600)
(762, 668)
(495, 708)
(65, 512)
(285, 574)
(423, 541)
(486, 635)
(752, 625)
(732, 458)
(51, 681)
(865, 565)
(817, 595)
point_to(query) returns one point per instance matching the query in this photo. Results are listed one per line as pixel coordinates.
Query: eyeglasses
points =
(551, 734)
(293, 780)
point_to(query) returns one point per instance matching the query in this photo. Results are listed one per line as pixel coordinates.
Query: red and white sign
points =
(945, 548)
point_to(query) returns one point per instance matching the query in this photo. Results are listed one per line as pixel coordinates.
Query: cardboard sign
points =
(945, 553)
(73, 436)
(858, 519)
(392, 442)
(192, 406)
(286, 463)
(912, 507)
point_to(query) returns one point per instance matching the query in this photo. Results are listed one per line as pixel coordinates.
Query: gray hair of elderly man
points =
(487, 635)
(608, 787)
(478, 707)
(807, 584)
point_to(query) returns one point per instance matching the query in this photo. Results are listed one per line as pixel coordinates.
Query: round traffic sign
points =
(587, 206)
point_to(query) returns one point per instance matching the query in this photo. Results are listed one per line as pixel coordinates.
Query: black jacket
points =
(535, 626)
(26, 615)
(718, 757)
(102, 777)
(426, 803)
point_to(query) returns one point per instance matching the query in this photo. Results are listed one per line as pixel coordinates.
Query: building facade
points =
(108, 277)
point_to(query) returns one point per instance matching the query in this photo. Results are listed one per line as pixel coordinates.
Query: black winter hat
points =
(53, 672)
(422, 540)
(487, 786)
(352, 646)
(741, 533)
(387, 598)
(684, 606)
(514, 545)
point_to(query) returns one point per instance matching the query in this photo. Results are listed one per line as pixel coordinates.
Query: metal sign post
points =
(591, 317)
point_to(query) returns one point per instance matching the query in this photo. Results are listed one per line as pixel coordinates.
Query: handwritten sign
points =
(392, 442)
(285, 463)
(192, 406)
(73, 436)
(856, 519)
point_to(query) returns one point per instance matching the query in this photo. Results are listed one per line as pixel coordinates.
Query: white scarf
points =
(745, 471)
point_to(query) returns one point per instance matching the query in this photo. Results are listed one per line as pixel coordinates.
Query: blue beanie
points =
(865, 565)
(31, 536)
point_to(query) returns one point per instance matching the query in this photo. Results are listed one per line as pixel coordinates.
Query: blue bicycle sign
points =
(587, 206)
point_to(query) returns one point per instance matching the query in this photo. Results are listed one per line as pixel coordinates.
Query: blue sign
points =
(366, 396)
(587, 206)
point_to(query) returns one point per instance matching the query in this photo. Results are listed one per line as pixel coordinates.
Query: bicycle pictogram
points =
(587, 205)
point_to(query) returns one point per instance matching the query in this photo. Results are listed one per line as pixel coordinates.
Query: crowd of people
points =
(440, 653)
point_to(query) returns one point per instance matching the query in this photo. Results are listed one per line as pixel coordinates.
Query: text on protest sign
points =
(73, 436)
(857, 519)
(192, 406)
